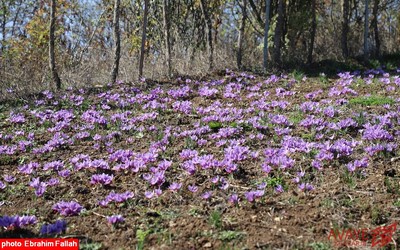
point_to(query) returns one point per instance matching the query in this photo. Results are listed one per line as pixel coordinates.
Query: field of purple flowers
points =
(234, 161)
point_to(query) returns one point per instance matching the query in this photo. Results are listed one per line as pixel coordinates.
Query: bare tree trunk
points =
(345, 28)
(3, 26)
(166, 36)
(266, 29)
(313, 31)
(144, 33)
(117, 42)
(52, 60)
(375, 27)
(366, 26)
(207, 20)
(241, 35)
(278, 35)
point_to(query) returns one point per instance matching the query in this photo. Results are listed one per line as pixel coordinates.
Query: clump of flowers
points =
(175, 186)
(115, 219)
(16, 222)
(57, 228)
(103, 179)
(40, 187)
(66, 208)
(254, 194)
(116, 197)
(207, 92)
(17, 118)
(182, 106)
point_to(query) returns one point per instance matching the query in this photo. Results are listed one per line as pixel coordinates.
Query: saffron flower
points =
(114, 219)
(9, 178)
(64, 173)
(206, 195)
(279, 188)
(149, 194)
(234, 199)
(175, 186)
(193, 188)
(118, 197)
(14, 222)
(253, 195)
(28, 168)
(65, 208)
(57, 228)
(103, 179)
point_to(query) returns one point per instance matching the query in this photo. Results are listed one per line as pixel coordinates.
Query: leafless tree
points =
(266, 29)
(239, 57)
(207, 21)
(312, 31)
(167, 41)
(52, 59)
(144, 33)
(117, 41)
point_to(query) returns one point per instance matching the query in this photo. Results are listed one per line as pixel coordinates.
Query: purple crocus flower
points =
(175, 186)
(53, 182)
(40, 189)
(206, 195)
(9, 178)
(28, 168)
(187, 154)
(158, 191)
(234, 199)
(119, 197)
(35, 182)
(224, 184)
(207, 92)
(103, 203)
(54, 165)
(306, 186)
(262, 185)
(193, 188)
(17, 118)
(65, 208)
(149, 194)
(266, 168)
(250, 196)
(64, 173)
(316, 164)
(215, 179)
(114, 219)
(103, 179)
(279, 188)
(57, 228)
(254, 194)
(2, 185)
(12, 222)
(309, 187)
(376, 132)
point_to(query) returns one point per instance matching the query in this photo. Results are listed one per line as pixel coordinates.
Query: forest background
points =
(48, 44)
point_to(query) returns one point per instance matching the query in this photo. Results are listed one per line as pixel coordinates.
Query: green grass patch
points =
(141, 237)
(296, 117)
(216, 219)
(230, 235)
(373, 100)
(214, 125)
